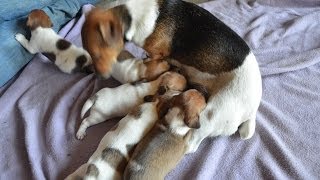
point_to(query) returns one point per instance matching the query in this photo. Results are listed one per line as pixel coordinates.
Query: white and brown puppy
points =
(68, 57)
(112, 154)
(115, 148)
(129, 69)
(164, 146)
(116, 102)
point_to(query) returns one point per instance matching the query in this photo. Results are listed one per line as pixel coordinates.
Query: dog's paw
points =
(19, 37)
(81, 134)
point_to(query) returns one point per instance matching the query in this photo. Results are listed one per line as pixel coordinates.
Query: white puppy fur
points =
(68, 57)
(116, 102)
(234, 100)
(132, 69)
(112, 154)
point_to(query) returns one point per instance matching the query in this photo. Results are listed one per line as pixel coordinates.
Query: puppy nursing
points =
(116, 102)
(45, 40)
(164, 146)
(112, 154)
(128, 69)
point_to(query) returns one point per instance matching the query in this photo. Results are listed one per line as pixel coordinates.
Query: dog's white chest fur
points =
(144, 14)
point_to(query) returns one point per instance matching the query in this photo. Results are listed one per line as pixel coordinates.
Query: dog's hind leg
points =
(247, 128)
(93, 119)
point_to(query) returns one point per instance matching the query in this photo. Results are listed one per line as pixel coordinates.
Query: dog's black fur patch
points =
(51, 56)
(92, 170)
(63, 44)
(80, 61)
(201, 40)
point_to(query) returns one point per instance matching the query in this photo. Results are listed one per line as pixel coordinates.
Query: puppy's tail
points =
(87, 105)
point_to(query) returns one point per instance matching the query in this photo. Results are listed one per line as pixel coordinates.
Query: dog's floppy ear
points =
(110, 32)
(192, 121)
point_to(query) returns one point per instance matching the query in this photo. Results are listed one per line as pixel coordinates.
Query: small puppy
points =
(114, 150)
(45, 40)
(164, 146)
(116, 102)
(129, 69)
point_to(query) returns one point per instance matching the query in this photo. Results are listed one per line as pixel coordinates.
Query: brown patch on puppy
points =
(102, 36)
(193, 103)
(38, 18)
(130, 148)
(114, 127)
(124, 55)
(190, 102)
(136, 112)
(209, 115)
(201, 88)
(173, 81)
(63, 44)
(51, 56)
(92, 170)
(154, 68)
(115, 159)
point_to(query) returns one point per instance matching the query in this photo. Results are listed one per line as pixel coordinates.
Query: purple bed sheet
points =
(40, 107)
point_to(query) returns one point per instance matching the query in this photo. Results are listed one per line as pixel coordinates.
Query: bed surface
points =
(40, 107)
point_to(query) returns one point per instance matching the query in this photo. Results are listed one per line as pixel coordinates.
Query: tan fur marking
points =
(124, 55)
(115, 159)
(38, 18)
(158, 44)
(136, 112)
(92, 170)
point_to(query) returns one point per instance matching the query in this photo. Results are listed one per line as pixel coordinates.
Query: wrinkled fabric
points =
(40, 108)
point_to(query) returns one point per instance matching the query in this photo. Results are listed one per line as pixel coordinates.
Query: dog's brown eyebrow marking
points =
(136, 112)
(63, 44)
(92, 170)
(51, 56)
(115, 159)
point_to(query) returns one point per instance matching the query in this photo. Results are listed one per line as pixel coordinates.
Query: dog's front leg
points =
(25, 43)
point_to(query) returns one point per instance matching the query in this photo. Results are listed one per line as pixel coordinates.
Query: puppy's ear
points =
(192, 121)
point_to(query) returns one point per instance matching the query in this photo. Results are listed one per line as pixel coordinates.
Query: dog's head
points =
(102, 37)
(173, 81)
(38, 18)
(187, 107)
(153, 68)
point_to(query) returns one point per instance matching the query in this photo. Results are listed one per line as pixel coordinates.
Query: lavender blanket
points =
(40, 108)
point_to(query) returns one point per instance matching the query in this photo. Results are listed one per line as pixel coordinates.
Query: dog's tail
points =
(87, 105)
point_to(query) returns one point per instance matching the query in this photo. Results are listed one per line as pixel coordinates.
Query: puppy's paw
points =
(20, 37)
(81, 134)
(246, 130)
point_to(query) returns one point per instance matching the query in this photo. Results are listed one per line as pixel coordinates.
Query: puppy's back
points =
(160, 151)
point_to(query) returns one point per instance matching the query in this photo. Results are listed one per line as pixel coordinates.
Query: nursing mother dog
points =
(207, 51)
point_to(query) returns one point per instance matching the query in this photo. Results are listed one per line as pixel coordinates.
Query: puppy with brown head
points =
(38, 18)
(129, 69)
(164, 146)
(116, 102)
(66, 56)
